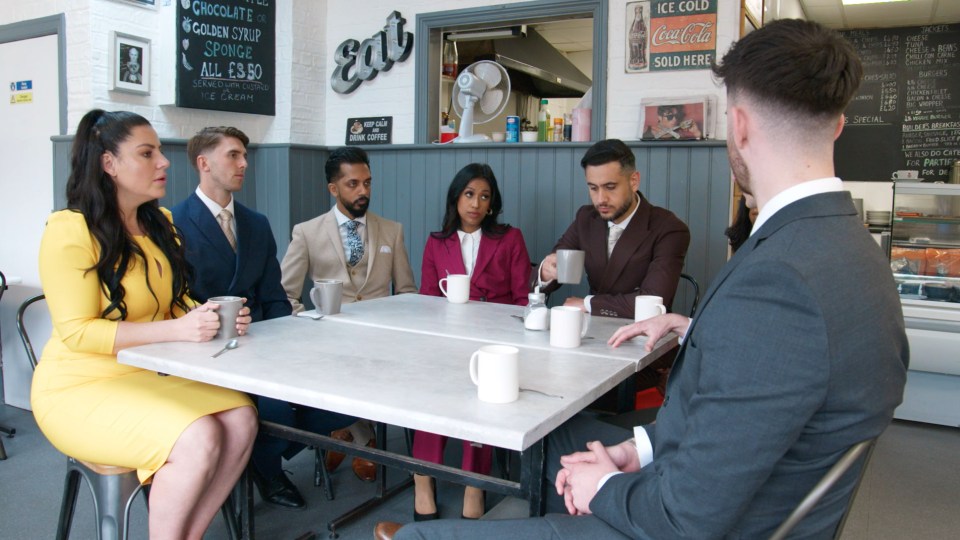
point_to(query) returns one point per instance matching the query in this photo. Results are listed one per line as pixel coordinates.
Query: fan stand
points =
(466, 134)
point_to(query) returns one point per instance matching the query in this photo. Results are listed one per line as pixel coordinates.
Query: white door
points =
(29, 116)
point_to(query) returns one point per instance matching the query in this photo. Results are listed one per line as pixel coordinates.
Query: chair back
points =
(696, 293)
(22, 329)
(850, 458)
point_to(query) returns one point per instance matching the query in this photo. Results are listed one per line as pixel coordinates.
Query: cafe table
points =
(416, 379)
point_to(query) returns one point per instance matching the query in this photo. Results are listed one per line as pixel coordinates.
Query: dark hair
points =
(344, 154)
(451, 218)
(209, 137)
(91, 192)
(607, 151)
(739, 231)
(797, 67)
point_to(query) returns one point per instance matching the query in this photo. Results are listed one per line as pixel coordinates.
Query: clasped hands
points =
(202, 322)
(580, 476)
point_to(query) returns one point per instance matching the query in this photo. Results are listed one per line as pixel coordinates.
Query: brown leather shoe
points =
(365, 470)
(385, 530)
(334, 459)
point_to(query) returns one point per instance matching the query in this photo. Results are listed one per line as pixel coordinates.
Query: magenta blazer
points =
(502, 273)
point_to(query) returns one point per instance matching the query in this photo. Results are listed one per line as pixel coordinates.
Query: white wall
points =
(308, 111)
(392, 93)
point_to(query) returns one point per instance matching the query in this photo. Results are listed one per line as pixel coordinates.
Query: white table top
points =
(489, 323)
(403, 378)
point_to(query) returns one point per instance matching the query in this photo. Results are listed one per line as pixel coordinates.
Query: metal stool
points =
(113, 488)
(9, 432)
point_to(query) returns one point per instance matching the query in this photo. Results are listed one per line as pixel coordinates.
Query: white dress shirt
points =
(469, 248)
(215, 209)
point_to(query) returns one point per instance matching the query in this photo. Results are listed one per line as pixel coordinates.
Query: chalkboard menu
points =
(226, 55)
(906, 115)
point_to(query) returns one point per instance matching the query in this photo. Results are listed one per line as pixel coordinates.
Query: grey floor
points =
(911, 490)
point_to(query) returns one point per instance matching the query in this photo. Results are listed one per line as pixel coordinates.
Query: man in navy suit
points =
(233, 252)
(797, 352)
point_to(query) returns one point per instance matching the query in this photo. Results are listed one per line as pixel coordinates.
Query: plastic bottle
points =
(536, 316)
(557, 129)
(449, 59)
(567, 127)
(543, 122)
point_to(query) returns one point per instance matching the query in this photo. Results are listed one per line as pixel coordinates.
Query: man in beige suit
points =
(347, 243)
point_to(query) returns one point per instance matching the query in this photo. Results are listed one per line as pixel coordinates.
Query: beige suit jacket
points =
(316, 247)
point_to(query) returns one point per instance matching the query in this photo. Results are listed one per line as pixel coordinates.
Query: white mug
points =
(646, 307)
(457, 289)
(906, 175)
(495, 369)
(567, 326)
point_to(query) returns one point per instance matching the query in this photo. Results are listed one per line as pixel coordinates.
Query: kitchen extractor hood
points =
(535, 66)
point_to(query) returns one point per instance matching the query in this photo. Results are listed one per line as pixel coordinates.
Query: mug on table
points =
(327, 295)
(456, 287)
(567, 326)
(495, 369)
(228, 312)
(647, 306)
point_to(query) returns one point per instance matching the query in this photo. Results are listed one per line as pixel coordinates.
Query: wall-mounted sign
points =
(666, 35)
(362, 61)
(19, 86)
(226, 55)
(374, 130)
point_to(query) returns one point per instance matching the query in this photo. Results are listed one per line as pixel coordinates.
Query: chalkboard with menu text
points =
(906, 114)
(226, 55)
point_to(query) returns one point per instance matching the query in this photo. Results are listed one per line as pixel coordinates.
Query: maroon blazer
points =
(647, 259)
(501, 275)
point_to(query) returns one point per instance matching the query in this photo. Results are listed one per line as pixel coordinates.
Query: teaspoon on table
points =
(232, 344)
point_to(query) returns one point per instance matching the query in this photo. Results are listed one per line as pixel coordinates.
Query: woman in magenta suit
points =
(495, 256)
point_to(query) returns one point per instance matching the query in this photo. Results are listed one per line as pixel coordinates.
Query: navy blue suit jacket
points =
(252, 272)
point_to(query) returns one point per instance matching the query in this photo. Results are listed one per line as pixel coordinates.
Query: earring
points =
(490, 212)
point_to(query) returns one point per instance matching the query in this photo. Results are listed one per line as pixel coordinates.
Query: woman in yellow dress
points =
(115, 276)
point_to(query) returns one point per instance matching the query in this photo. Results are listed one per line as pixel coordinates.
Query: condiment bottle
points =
(536, 316)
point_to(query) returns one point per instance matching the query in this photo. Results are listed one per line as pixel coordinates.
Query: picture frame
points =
(689, 118)
(150, 4)
(130, 63)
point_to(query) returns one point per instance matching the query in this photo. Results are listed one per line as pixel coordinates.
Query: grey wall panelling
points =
(542, 186)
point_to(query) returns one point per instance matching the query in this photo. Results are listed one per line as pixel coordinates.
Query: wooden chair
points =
(113, 488)
(850, 458)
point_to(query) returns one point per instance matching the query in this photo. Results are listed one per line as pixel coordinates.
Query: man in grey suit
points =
(797, 352)
(364, 251)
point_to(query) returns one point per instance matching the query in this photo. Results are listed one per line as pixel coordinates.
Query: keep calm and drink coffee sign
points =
(373, 130)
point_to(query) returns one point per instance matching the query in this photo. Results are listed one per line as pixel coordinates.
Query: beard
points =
(357, 208)
(622, 211)
(741, 174)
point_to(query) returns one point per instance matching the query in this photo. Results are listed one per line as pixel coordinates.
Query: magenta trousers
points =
(429, 447)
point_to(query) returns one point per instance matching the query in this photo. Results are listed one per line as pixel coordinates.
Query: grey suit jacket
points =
(316, 248)
(797, 352)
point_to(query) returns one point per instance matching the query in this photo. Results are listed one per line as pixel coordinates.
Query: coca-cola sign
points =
(670, 35)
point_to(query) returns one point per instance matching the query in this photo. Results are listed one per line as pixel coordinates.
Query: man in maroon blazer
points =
(632, 247)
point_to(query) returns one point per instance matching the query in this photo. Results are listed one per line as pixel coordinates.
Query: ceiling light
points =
(858, 2)
(492, 33)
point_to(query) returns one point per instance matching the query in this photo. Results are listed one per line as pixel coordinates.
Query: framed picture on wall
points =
(130, 64)
(144, 3)
(677, 119)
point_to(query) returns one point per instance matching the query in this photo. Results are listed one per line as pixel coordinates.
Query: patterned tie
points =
(354, 242)
(225, 217)
(612, 236)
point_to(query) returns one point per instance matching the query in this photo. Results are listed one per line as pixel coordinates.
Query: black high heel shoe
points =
(417, 516)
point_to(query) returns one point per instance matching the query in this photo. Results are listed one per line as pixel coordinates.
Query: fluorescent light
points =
(858, 2)
(493, 33)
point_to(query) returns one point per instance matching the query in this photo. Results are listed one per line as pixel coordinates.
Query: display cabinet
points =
(925, 260)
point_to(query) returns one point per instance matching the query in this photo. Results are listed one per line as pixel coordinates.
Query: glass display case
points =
(925, 259)
(925, 241)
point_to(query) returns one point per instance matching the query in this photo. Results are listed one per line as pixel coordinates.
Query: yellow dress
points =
(87, 404)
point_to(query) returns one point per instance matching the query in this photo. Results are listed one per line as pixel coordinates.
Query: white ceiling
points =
(834, 14)
(577, 34)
